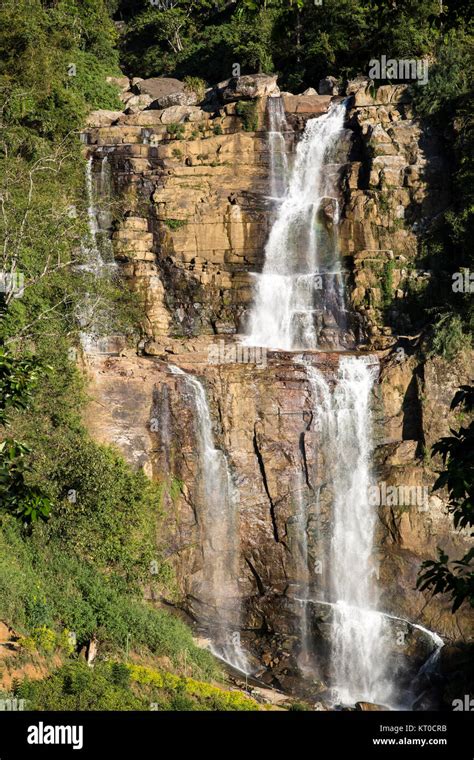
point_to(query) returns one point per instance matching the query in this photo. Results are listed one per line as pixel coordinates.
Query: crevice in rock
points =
(304, 459)
(258, 580)
(261, 466)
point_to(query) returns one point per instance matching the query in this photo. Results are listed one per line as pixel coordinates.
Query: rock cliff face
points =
(191, 216)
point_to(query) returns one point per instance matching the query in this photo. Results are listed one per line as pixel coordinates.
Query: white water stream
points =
(300, 273)
(219, 532)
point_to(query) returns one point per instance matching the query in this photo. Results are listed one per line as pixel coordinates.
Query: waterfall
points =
(300, 286)
(277, 127)
(358, 630)
(90, 316)
(219, 532)
(94, 262)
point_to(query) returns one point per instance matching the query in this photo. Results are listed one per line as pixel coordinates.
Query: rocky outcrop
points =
(193, 184)
(262, 416)
(247, 87)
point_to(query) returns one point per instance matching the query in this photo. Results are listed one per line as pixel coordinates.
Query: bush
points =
(247, 111)
(197, 85)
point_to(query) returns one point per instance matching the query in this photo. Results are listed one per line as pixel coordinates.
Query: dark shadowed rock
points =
(328, 86)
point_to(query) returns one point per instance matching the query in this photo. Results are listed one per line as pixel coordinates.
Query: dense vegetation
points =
(77, 525)
(123, 686)
(445, 576)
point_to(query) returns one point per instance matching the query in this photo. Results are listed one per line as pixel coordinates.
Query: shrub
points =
(247, 111)
(176, 131)
(175, 224)
(197, 85)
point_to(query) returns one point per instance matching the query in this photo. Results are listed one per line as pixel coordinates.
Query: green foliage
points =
(247, 110)
(44, 582)
(38, 44)
(446, 104)
(117, 686)
(301, 41)
(197, 85)
(387, 282)
(76, 686)
(17, 379)
(450, 77)
(18, 376)
(448, 337)
(176, 131)
(175, 224)
(445, 576)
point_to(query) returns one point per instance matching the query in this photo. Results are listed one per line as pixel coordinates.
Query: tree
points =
(17, 380)
(445, 576)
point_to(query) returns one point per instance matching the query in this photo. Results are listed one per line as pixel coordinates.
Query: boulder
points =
(123, 83)
(248, 87)
(365, 93)
(179, 98)
(138, 102)
(102, 118)
(306, 104)
(176, 114)
(165, 92)
(328, 86)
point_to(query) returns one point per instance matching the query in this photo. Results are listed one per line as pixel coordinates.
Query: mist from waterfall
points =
(359, 631)
(220, 543)
(300, 277)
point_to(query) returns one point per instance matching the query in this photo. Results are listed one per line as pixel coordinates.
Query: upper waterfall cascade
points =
(300, 289)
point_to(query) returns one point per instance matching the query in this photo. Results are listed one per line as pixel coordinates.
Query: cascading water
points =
(277, 128)
(97, 261)
(358, 657)
(219, 532)
(300, 286)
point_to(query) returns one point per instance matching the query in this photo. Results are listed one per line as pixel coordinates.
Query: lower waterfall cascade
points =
(358, 658)
(219, 531)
